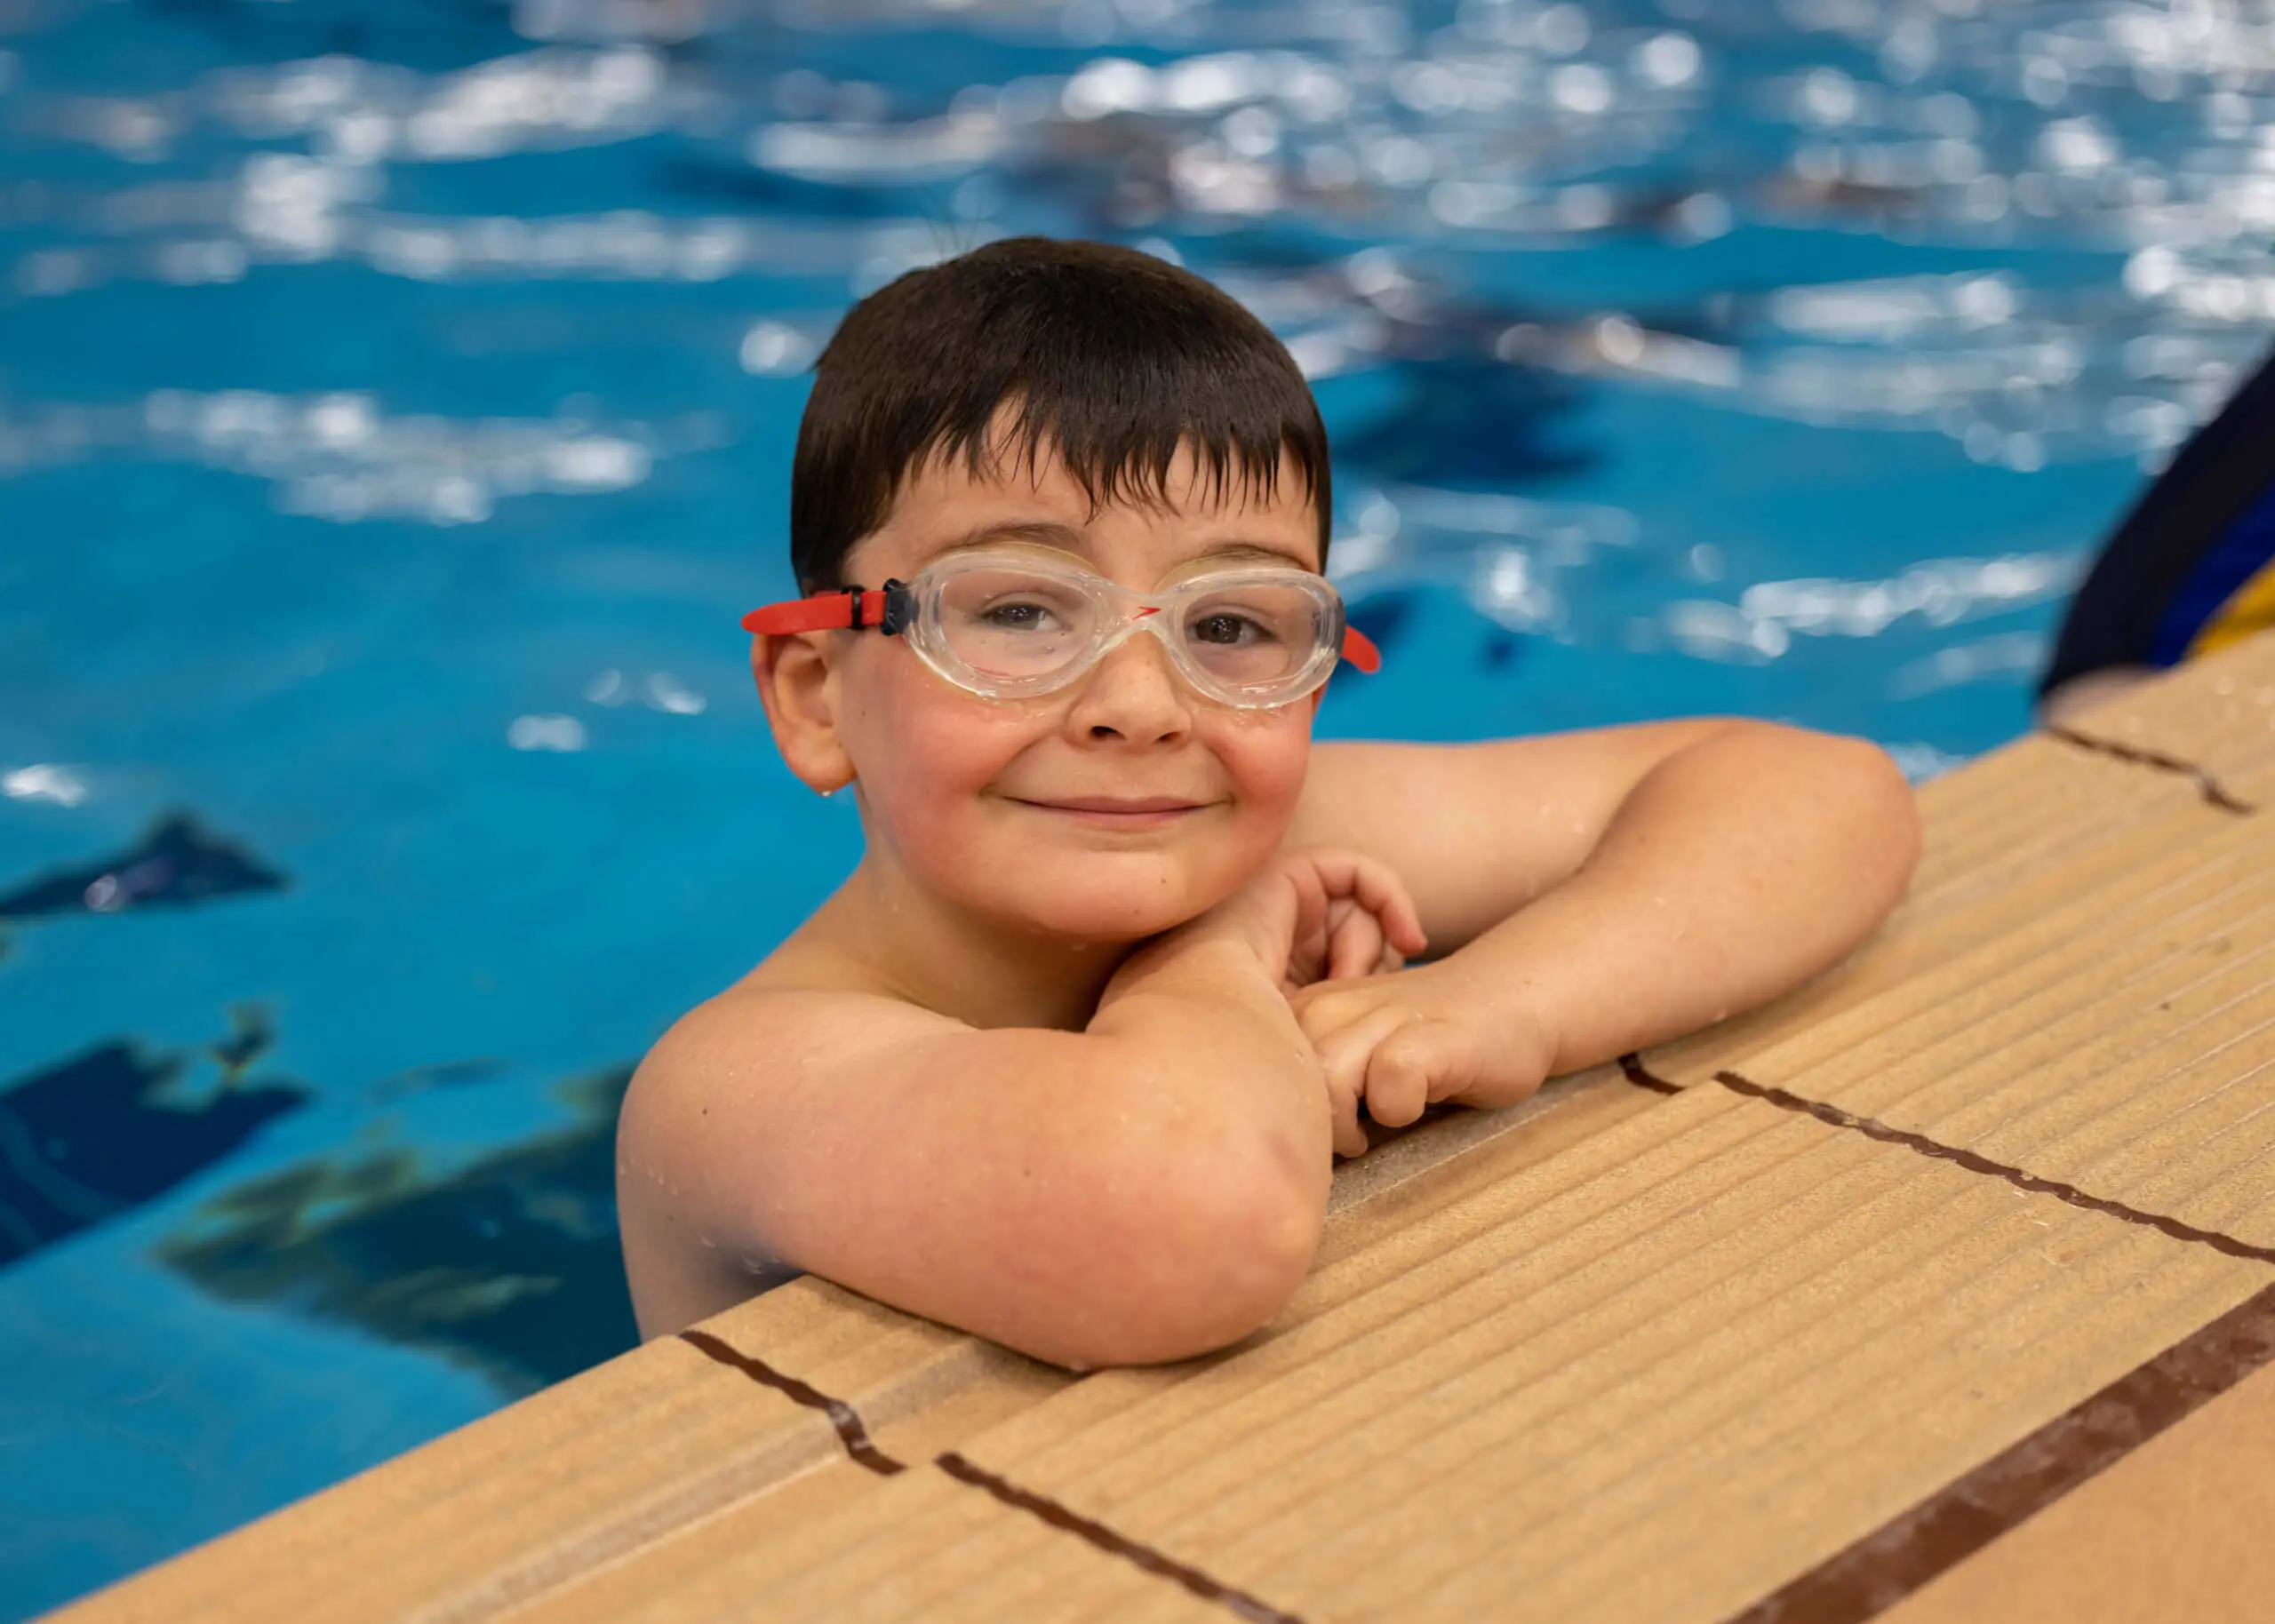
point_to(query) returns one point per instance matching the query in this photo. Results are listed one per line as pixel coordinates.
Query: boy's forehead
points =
(946, 503)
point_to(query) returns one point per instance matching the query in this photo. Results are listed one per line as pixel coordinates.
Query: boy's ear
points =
(797, 682)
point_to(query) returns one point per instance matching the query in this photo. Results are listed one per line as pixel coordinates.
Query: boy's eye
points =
(1226, 628)
(1016, 616)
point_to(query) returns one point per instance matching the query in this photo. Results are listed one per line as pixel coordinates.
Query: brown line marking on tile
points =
(855, 1437)
(842, 1416)
(2207, 786)
(1633, 1068)
(1975, 1162)
(1115, 1544)
(1959, 1520)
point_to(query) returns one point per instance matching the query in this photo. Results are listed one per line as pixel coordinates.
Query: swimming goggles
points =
(1012, 625)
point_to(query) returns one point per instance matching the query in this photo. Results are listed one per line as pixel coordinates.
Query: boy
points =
(1066, 1060)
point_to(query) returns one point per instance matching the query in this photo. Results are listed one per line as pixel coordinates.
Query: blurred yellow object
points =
(2250, 611)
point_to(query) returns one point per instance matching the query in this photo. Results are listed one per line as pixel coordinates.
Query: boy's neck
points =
(976, 970)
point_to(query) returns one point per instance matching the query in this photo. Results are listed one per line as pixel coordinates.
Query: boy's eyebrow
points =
(1050, 533)
(1042, 532)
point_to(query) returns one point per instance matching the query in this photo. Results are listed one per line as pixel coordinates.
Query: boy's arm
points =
(1147, 1189)
(1608, 890)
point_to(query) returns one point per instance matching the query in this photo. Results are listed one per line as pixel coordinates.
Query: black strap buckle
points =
(900, 609)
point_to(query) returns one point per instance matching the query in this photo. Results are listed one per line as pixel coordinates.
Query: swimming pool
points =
(395, 407)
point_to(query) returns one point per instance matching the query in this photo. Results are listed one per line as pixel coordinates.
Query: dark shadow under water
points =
(509, 1266)
(97, 1136)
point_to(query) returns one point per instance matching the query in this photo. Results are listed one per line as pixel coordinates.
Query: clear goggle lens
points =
(1247, 634)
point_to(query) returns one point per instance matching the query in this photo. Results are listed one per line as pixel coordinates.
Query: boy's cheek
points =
(1265, 755)
(1268, 754)
(922, 773)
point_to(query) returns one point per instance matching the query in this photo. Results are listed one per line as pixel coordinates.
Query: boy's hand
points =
(1309, 916)
(1400, 1042)
(1353, 919)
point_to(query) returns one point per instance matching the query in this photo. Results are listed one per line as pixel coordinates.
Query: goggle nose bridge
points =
(1147, 618)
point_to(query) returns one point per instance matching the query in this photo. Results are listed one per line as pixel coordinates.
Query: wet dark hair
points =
(1115, 357)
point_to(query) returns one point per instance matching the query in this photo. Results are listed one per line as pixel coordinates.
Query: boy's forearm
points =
(1737, 868)
(1212, 999)
(1219, 1042)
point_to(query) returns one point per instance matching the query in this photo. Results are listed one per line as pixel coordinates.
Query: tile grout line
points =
(1974, 1161)
(855, 1437)
(1632, 1067)
(1918, 1545)
(843, 1416)
(1106, 1539)
(1935, 1150)
(2213, 791)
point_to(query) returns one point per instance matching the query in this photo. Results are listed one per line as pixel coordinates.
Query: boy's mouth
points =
(1118, 811)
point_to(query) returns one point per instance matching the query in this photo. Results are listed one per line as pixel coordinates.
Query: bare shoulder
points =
(730, 1068)
(756, 1040)
(708, 1139)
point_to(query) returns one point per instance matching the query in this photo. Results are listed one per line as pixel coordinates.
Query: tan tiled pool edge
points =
(2083, 896)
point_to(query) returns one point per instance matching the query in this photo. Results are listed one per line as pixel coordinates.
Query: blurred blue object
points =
(396, 412)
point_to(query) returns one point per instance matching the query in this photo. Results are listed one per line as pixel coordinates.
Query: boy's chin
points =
(1129, 911)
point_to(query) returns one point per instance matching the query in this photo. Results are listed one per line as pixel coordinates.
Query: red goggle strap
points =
(848, 609)
(851, 609)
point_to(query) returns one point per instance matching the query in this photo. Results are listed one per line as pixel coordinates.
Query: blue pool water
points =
(395, 411)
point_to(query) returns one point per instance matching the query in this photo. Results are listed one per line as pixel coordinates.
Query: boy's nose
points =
(1133, 694)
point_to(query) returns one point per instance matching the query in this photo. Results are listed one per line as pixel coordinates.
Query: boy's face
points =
(1118, 806)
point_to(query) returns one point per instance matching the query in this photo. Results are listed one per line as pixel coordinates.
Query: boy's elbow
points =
(1241, 1249)
(1885, 811)
(1206, 1256)
(1864, 805)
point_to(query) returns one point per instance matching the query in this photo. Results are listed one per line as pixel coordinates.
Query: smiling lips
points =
(1119, 812)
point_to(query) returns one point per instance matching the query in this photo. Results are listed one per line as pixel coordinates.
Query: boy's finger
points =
(1420, 1063)
(1378, 889)
(1386, 899)
(1342, 1107)
(1343, 1053)
(1309, 896)
(1357, 946)
(1398, 1081)
(1297, 923)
